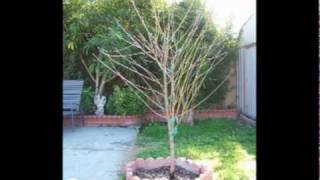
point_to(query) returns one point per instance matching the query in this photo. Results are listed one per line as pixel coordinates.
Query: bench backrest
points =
(72, 94)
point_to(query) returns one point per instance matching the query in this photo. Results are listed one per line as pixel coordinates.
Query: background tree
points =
(183, 57)
(87, 26)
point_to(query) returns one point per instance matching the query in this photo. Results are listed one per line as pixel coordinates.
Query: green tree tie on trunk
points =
(173, 121)
(175, 131)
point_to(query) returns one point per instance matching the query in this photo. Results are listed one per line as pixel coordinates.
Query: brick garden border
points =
(111, 120)
(204, 171)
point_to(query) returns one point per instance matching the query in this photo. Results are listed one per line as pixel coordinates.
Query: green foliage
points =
(90, 25)
(213, 34)
(71, 69)
(219, 73)
(230, 43)
(124, 101)
(87, 105)
(225, 144)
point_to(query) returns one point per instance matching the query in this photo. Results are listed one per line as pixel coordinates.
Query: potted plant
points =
(183, 58)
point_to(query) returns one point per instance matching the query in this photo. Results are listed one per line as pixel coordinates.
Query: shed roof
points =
(248, 31)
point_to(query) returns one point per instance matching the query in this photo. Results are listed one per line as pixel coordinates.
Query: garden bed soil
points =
(163, 173)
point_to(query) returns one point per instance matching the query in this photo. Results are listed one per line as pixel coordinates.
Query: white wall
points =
(246, 69)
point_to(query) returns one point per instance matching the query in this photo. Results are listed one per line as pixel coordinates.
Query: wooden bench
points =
(72, 90)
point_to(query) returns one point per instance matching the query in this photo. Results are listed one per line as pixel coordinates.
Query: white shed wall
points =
(246, 66)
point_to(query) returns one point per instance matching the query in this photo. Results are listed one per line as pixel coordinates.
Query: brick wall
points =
(108, 120)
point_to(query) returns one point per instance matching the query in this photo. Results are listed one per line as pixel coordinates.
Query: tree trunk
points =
(172, 154)
(190, 117)
(171, 147)
(99, 101)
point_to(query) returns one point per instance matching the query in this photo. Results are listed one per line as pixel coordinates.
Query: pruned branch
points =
(87, 69)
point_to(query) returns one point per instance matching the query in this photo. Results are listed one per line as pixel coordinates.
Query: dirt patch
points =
(164, 173)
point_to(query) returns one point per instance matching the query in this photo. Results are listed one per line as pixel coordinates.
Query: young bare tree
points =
(182, 57)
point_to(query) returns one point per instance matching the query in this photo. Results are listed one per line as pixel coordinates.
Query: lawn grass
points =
(228, 146)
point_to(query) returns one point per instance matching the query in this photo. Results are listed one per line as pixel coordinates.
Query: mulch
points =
(163, 173)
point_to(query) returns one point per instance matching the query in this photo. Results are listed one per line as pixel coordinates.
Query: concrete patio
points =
(96, 153)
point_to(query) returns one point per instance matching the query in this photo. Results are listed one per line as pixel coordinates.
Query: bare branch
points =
(86, 68)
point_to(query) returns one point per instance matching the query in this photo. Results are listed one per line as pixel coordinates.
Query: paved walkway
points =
(96, 153)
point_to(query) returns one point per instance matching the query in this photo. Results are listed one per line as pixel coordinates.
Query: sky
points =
(236, 10)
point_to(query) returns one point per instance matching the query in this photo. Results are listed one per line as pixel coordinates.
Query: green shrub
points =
(87, 105)
(216, 76)
(124, 101)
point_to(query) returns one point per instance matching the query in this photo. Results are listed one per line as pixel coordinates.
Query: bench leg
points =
(72, 123)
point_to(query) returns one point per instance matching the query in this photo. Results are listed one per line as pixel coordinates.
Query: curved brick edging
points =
(150, 163)
(110, 120)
